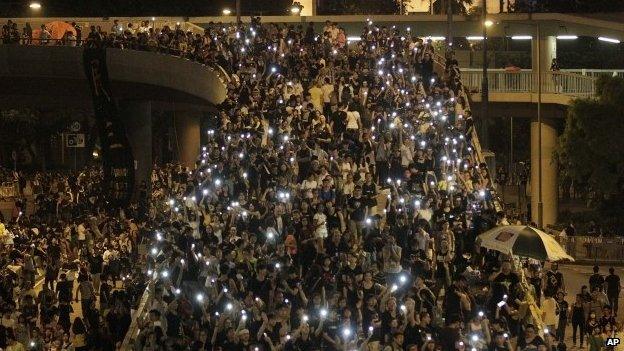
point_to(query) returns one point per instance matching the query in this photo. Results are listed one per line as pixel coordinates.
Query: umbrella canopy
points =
(523, 241)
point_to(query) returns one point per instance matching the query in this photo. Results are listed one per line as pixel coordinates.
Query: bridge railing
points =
(595, 73)
(526, 81)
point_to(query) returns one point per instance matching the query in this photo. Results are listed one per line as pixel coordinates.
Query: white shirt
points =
(422, 238)
(321, 220)
(407, 155)
(353, 117)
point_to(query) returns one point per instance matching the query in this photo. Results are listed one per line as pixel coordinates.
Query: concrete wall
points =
(55, 74)
(165, 71)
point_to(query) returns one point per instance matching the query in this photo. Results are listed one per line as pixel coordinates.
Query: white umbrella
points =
(524, 241)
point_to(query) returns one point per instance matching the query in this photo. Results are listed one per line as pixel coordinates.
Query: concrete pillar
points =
(549, 172)
(548, 51)
(137, 116)
(187, 132)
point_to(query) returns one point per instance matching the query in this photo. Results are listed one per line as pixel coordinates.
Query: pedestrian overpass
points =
(522, 86)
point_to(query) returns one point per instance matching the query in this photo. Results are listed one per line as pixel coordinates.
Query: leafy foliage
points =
(567, 6)
(588, 149)
(457, 6)
(355, 7)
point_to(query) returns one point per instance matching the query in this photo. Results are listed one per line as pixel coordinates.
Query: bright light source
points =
(567, 37)
(295, 10)
(226, 12)
(436, 38)
(488, 23)
(609, 40)
(521, 37)
(474, 37)
(354, 38)
(35, 5)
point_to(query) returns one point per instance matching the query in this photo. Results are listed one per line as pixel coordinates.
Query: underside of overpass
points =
(553, 116)
(148, 89)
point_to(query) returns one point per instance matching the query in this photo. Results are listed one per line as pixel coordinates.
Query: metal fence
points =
(526, 81)
(591, 248)
(595, 73)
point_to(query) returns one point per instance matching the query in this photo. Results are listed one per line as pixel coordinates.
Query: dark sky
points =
(102, 8)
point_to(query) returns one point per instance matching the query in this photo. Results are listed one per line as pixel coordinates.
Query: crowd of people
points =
(171, 39)
(68, 277)
(334, 206)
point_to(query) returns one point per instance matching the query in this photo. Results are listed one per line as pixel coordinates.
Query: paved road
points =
(577, 276)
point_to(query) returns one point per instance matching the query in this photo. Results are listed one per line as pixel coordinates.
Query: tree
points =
(569, 6)
(588, 150)
(459, 7)
(354, 7)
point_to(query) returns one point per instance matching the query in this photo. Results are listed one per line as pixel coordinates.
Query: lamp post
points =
(484, 81)
(449, 25)
(540, 204)
(238, 12)
(296, 8)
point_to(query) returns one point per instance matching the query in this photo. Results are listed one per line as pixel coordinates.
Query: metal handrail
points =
(476, 144)
(558, 82)
(142, 310)
(595, 73)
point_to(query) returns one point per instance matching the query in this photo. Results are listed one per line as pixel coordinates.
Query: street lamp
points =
(296, 8)
(35, 5)
(226, 12)
(484, 81)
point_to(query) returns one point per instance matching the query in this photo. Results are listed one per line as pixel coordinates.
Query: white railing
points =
(525, 81)
(595, 73)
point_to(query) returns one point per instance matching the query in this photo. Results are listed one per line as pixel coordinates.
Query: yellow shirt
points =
(17, 347)
(79, 340)
(317, 97)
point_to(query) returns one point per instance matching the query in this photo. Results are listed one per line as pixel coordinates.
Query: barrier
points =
(525, 81)
(593, 248)
(141, 312)
(9, 190)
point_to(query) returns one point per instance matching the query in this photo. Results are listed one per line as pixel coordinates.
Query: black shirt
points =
(95, 264)
(508, 280)
(562, 310)
(358, 206)
(613, 284)
(596, 280)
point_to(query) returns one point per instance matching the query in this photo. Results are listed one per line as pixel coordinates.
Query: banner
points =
(117, 158)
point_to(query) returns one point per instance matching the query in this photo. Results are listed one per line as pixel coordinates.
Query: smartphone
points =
(501, 304)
